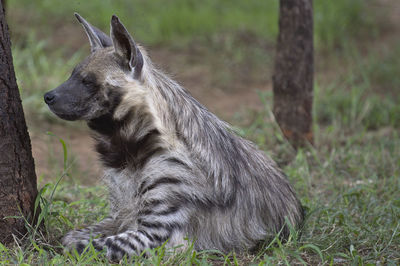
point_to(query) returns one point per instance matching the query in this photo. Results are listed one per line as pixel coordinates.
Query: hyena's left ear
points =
(125, 46)
(97, 38)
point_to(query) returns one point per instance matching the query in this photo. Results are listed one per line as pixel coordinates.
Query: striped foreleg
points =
(154, 228)
(160, 218)
(79, 239)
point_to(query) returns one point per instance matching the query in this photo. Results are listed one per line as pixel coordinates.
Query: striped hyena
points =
(173, 169)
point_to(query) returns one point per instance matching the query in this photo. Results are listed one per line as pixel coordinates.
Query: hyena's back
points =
(250, 208)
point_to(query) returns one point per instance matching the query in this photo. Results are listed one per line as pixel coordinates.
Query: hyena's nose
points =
(49, 98)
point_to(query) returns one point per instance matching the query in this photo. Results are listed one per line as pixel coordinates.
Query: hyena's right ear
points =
(97, 38)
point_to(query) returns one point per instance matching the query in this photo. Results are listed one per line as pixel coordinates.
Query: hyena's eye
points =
(89, 80)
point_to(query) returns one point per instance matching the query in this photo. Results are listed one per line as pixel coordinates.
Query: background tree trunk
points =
(17, 171)
(294, 71)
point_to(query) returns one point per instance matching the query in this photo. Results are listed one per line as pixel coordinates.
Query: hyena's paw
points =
(75, 240)
(79, 239)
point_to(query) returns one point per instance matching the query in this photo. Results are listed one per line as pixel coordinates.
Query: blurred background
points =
(223, 53)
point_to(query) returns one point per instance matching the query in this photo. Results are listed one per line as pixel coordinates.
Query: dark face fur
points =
(88, 93)
(73, 99)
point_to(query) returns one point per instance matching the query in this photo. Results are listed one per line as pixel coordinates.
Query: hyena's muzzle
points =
(70, 100)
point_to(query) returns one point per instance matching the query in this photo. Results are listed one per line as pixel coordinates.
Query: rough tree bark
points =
(17, 172)
(294, 71)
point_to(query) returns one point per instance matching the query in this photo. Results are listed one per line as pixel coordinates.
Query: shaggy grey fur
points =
(173, 169)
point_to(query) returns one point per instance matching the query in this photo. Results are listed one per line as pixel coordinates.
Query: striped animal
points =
(173, 169)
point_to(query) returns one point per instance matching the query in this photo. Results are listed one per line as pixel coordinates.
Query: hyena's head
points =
(94, 87)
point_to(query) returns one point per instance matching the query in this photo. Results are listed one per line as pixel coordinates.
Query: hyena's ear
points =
(97, 38)
(125, 46)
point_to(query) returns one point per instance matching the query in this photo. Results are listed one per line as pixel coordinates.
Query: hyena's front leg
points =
(79, 239)
(152, 232)
(164, 215)
(128, 243)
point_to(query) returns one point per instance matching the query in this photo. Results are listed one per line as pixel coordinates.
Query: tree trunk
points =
(17, 171)
(294, 70)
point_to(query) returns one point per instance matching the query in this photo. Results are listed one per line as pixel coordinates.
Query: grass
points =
(180, 20)
(176, 21)
(348, 182)
(335, 22)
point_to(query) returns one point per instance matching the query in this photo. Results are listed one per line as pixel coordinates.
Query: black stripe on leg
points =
(135, 237)
(158, 225)
(138, 240)
(160, 181)
(113, 247)
(160, 239)
(146, 235)
(126, 242)
(157, 238)
(152, 225)
(168, 211)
